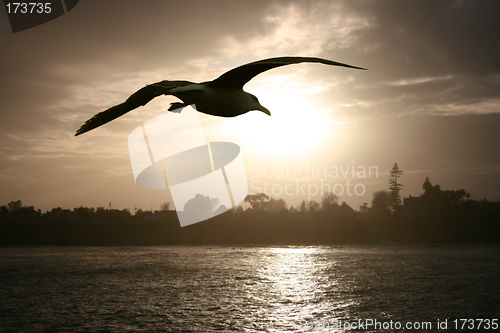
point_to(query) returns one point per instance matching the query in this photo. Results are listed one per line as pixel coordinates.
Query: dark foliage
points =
(435, 216)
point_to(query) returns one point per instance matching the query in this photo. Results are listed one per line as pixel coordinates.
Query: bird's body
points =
(211, 100)
(223, 96)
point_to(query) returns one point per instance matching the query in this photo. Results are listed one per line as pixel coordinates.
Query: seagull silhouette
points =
(223, 96)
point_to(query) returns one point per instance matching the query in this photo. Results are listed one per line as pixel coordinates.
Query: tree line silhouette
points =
(435, 216)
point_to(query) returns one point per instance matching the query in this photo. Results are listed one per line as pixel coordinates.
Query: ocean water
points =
(249, 289)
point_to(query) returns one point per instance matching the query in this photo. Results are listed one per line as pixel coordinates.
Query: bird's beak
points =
(266, 111)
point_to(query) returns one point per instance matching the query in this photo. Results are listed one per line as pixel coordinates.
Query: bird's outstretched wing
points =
(139, 98)
(239, 76)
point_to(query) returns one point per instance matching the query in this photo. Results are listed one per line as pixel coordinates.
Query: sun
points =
(293, 127)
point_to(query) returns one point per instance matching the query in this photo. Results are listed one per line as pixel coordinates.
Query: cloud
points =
(298, 28)
(432, 38)
(434, 58)
(437, 56)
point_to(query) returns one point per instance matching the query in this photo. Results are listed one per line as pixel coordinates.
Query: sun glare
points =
(293, 127)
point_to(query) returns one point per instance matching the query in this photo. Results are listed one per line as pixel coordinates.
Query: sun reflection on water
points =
(250, 289)
(297, 288)
(292, 270)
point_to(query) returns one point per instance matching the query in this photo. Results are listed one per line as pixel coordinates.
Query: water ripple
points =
(250, 289)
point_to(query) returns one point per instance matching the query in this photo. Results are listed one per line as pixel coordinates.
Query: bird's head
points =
(255, 105)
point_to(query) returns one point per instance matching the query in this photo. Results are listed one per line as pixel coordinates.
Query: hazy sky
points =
(430, 100)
